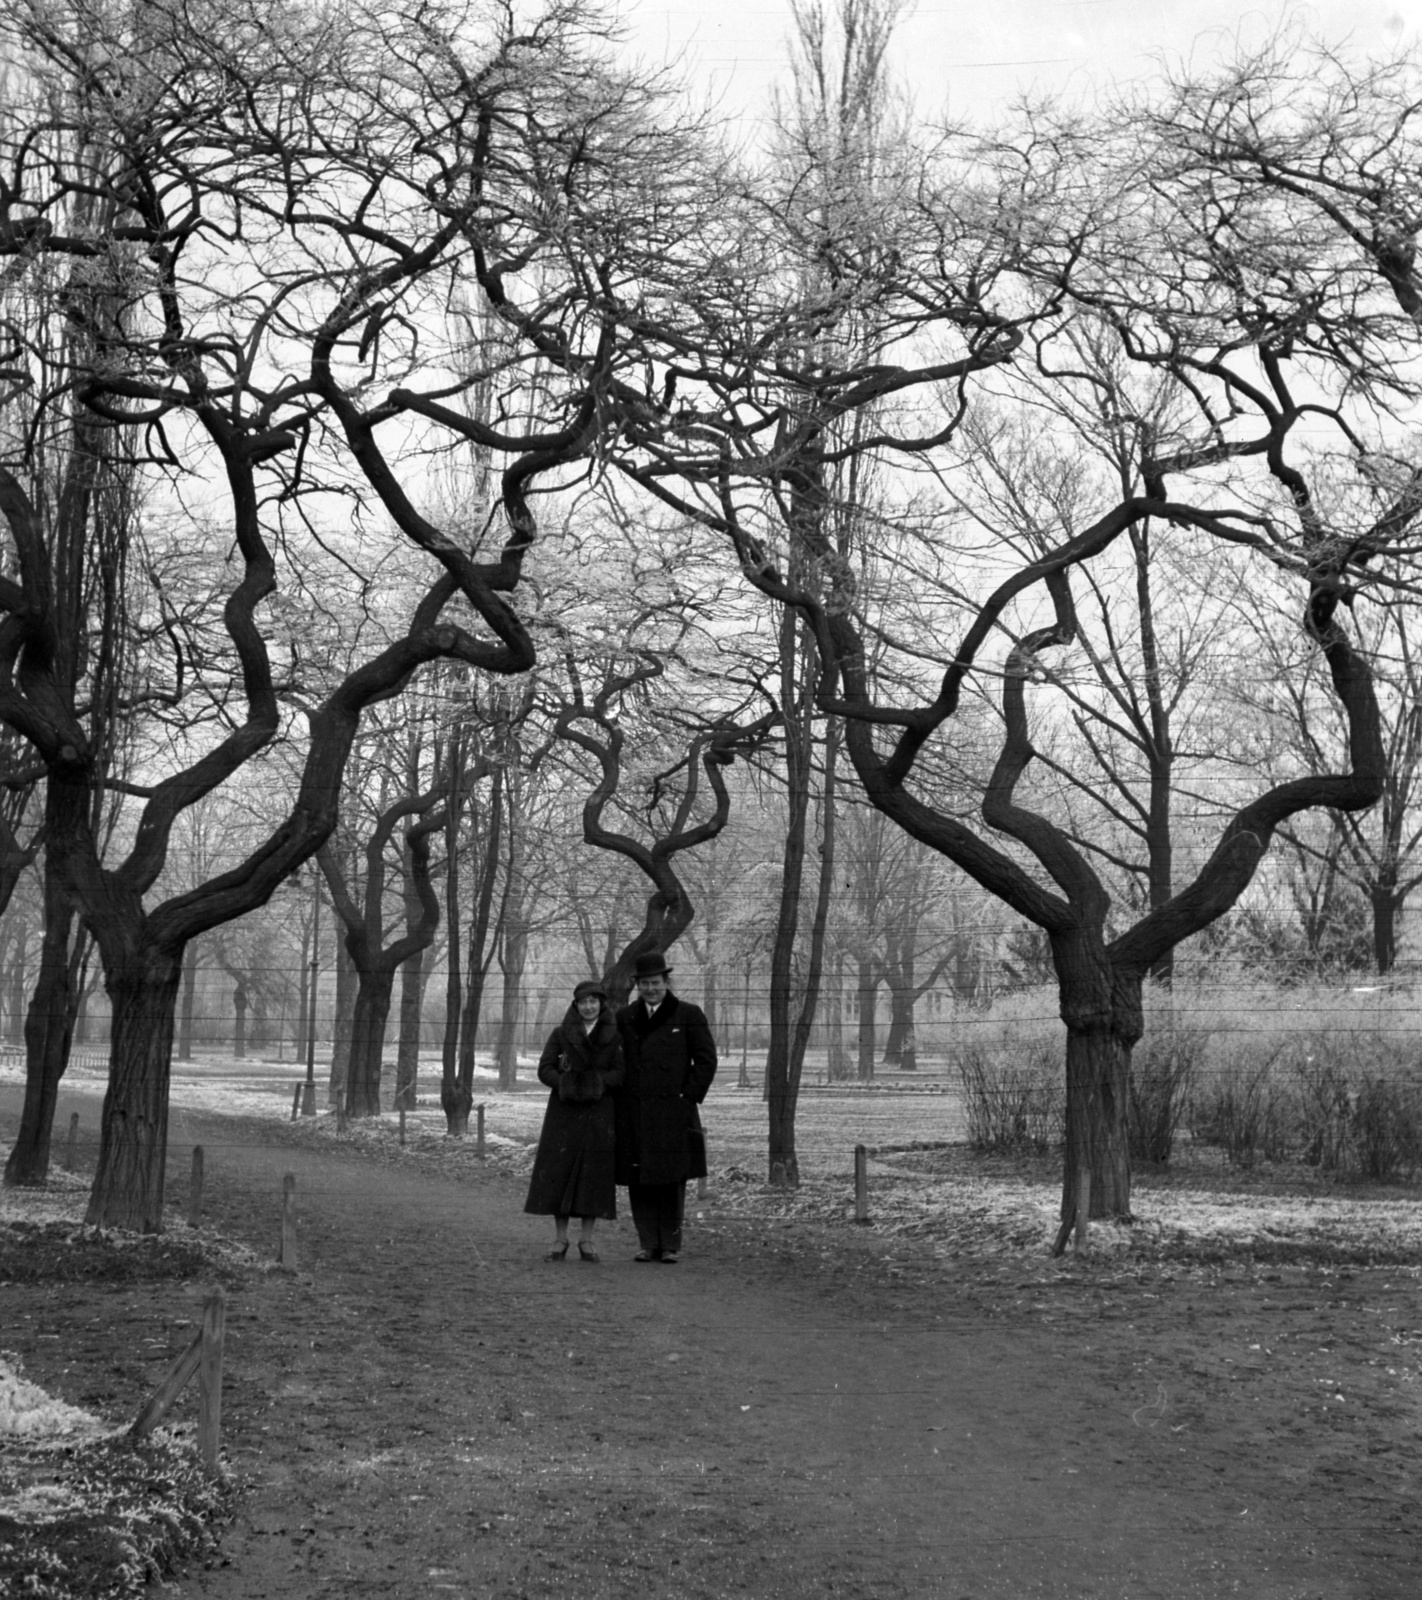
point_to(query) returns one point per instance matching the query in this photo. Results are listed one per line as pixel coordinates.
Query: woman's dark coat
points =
(671, 1060)
(573, 1169)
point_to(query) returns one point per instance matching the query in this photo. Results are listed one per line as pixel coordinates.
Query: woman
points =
(573, 1169)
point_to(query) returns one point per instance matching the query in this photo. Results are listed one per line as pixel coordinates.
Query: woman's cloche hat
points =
(589, 986)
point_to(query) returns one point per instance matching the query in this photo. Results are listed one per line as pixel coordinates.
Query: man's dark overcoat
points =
(671, 1060)
(573, 1172)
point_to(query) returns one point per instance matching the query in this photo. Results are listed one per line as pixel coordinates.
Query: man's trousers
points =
(657, 1211)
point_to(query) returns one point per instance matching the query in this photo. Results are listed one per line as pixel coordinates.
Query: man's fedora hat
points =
(651, 965)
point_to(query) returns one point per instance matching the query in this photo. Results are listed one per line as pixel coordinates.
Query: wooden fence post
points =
(479, 1137)
(214, 1333)
(72, 1146)
(204, 1357)
(402, 1126)
(287, 1259)
(296, 1103)
(195, 1189)
(861, 1183)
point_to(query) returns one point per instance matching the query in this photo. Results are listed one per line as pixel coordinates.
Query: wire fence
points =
(931, 1032)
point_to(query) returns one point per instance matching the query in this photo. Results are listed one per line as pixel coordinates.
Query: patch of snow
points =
(27, 1412)
(62, 1199)
(42, 1502)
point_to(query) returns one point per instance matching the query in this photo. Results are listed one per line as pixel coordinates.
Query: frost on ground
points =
(61, 1200)
(101, 1517)
(86, 1502)
(84, 1510)
(28, 1413)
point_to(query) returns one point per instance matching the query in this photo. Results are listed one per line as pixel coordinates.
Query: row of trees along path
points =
(806, 358)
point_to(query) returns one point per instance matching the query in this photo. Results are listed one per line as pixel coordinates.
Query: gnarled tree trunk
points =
(128, 1185)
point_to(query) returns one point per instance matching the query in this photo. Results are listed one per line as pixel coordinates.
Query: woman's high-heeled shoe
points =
(557, 1252)
(587, 1252)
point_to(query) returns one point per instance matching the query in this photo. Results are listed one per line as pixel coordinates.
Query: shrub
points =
(1164, 1066)
(1387, 1129)
(1013, 1097)
(1245, 1107)
(1347, 1102)
(1327, 1111)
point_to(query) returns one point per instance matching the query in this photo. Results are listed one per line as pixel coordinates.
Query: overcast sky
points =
(974, 57)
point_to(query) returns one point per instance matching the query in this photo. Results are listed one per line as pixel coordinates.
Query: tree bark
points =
(868, 1005)
(782, 1077)
(819, 925)
(454, 955)
(457, 1096)
(48, 1030)
(185, 1007)
(239, 1025)
(342, 1025)
(372, 1016)
(128, 1185)
(407, 1049)
(515, 961)
(1386, 904)
(304, 980)
(511, 943)
(836, 1054)
(16, 983)
(1098, 1063)
(1100, 1004)
(899, 1046)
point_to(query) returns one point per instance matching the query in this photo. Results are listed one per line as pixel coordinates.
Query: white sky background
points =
(972, 60)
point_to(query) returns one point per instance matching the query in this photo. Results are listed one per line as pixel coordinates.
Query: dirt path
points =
(428, 1407)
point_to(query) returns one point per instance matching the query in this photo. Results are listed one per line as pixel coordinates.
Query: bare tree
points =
(1137, 735)
(1254, 317)
(83, 478)
(375, 959)
(1374, 856)
(476, 753)
(20, 835)
(668, 809)
(832, 136)
(279, 219)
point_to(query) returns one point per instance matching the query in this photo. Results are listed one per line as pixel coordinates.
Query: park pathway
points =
(427, 1407)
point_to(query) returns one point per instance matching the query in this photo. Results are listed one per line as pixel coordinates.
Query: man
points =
(670, 1060)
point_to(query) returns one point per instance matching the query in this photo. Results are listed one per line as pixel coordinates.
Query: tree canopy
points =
(308, 314)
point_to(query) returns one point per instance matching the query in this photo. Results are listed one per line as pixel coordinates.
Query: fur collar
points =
(604, 1032)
